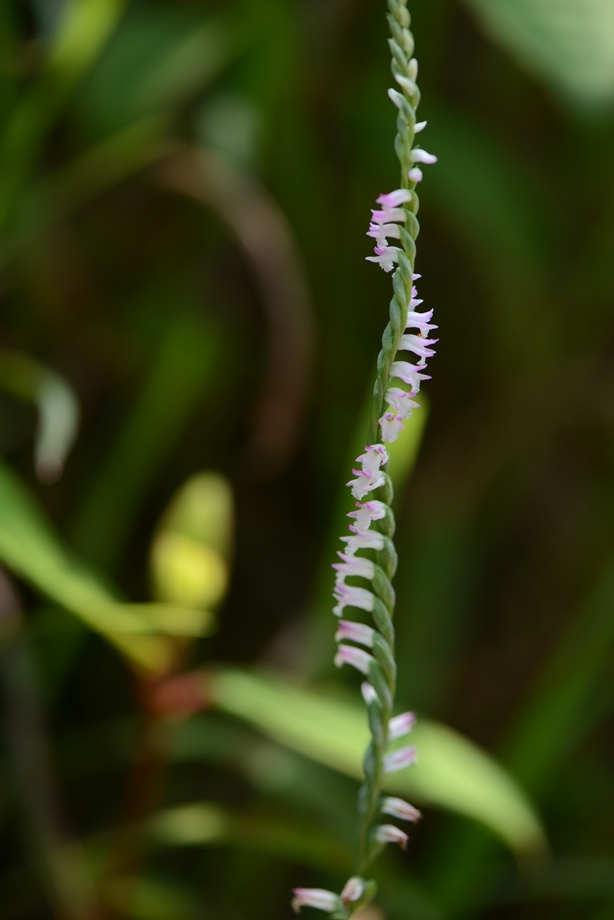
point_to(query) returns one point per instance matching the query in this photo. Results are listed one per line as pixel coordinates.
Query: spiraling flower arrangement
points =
(370, 648)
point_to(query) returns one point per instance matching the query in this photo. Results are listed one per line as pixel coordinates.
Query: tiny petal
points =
(350, 596)
(388, 833)
(352, 890)
(415, 175)
(355, 632)
(316, 897)
(391, 425)
(367, 512)
(401, 725)
(369, 694)
(369, 540)
(400, 759)
(348, 654)
(399, 808)
(419, 126)
(422, 156)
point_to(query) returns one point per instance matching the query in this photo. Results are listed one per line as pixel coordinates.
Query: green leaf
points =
(568, 43)
(29, 548)
(452, 772)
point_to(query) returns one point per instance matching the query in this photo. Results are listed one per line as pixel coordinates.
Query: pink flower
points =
(409, 374)
(316, 897)
(367, 512)
(401, 725)
(419, 321)
(375, 455)
(355, 632)
(352, 890)
(400, 759)
(415, 175)
(388, 833)
(363, 484)
(348, 654)
(399, 808)
(394, 199)
(350, 596)
(382, 231)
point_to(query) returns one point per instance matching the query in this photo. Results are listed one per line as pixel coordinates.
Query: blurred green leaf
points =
(569, 43)
(83, 29)
(57, 407)
(452, 772)
(29, 548)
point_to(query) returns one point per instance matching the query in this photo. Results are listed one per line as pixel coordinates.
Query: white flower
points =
(409, 373)
(352, 890)
(401, 725)
(348, 654)
(391, 426)
(400, 759)
(369, 540)
(415, 174)
(316, 897)
(375, 455)
(388, 833)
(367, 512)
(421, 321)
(368, 693)
(419, 126)
(418, 344)
(355, 632)
(354, 565)
(350, 596)
(399, 808)
(401, 402)
(422, 156)
(385, 256)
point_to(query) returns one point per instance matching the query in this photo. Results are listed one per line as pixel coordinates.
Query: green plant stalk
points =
(382, 673)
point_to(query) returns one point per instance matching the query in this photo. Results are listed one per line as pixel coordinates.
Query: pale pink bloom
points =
(418, 155)
(388, 214)
(399, 808)
(398, 760)
(367, 512)
(363, 484)
(350, 596)
(418, 344)
(382, 231)
(368, 693)
(401, 725)
(352, 890)
(408, 373)
(419, 126)
(401, 401)
(388, 833)
(391, 425)
(375, 455)
(355, 632)
(348, 654)
(354, 566)
(415, 174)
(369, 540)
(316, 897)
(420, 321)
(394, 199)
(385, 256)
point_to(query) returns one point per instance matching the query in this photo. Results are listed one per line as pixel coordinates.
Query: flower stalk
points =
(373, 525)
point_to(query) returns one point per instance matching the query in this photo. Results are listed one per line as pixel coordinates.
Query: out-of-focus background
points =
(188, 337)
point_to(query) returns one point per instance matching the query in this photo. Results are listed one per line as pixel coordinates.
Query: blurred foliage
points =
(189, 332)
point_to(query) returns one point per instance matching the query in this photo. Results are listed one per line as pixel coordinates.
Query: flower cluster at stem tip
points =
(369, 646)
